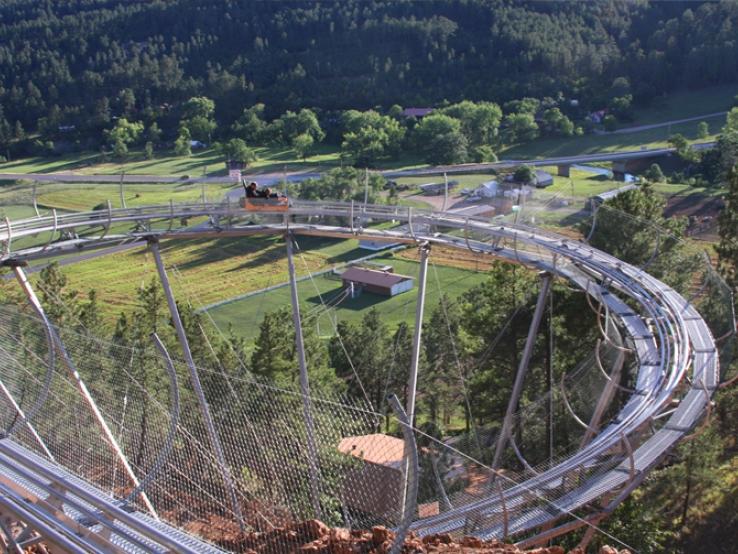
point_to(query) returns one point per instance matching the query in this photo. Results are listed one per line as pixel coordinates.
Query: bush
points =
(609, 123)
(483, 153)
(654, 174)
(524, 174)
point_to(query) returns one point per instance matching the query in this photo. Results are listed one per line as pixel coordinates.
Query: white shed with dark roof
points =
(378, 282)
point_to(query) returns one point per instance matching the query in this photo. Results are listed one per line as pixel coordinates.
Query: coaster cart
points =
(265, 205)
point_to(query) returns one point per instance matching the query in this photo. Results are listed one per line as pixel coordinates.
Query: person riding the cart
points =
(264, 200)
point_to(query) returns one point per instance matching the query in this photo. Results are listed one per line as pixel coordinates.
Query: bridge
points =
(57, 498)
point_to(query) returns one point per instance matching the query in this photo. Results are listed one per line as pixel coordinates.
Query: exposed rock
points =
(381, 534)
(314, 537)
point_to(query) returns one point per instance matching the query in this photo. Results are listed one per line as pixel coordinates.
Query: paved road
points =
(639, 128)
(272, 178)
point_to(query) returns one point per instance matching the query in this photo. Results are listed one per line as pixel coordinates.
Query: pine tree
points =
(727, 249)
(59, 302)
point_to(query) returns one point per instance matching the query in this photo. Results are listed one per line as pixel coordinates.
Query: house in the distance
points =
(420, 113)
(541, 179)
(597, 116)
(488, 189)
(434, 189)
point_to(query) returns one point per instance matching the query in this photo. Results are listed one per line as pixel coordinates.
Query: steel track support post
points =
(607, 395)
(122, 196)
(419, 307)
(445, 191)
(35, 201)
(20, 275)
(312, 453)
(195, 378)
(412, 469)
(22, 416)
(512, 404)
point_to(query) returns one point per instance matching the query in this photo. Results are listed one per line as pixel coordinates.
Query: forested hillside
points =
(80, 62)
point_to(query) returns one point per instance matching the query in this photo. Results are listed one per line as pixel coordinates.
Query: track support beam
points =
(195, 378)
(20, 275)
(512, 404)
(22, 417)
(312, 454)
(419, 307)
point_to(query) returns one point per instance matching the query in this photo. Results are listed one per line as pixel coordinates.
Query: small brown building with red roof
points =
(373, 486)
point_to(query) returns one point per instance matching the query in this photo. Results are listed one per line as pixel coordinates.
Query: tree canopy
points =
(68, 68)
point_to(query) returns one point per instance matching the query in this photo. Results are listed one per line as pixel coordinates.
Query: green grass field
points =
(207, 270)
(18, 198)
(246, 314)
(207, 162)
(592, 143)
(202, 162)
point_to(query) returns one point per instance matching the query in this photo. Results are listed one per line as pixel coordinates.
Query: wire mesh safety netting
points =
(354, 475)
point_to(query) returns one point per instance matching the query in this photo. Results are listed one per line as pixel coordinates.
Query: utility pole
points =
(366, 185)
(445, 194)
(35, 200)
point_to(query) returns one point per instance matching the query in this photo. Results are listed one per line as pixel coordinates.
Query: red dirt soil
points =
(314, 537)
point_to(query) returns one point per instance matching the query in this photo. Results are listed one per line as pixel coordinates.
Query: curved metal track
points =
(666, 333)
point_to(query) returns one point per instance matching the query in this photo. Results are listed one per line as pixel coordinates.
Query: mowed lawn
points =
(206, 162)
(680, 105)
(16, 199)
(202, 271)
(81, 197)
(245, 315)
(593, 143)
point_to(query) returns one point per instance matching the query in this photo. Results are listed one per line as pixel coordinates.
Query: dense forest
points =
(73, 65)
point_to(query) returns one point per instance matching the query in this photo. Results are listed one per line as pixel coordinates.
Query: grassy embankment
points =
(681, 105)
(207, 162)
(203, 271)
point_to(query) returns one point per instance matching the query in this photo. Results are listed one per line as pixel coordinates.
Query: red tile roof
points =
(376, 448)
